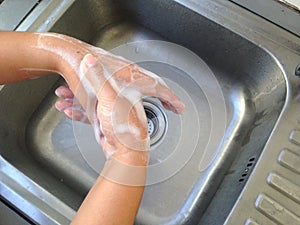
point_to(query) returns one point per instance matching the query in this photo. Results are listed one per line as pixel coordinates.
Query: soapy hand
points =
(108, 91)
(113, 88)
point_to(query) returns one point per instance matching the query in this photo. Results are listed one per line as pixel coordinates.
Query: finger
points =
(103, 84)
(76, 115)
(150, 86)
(92, 74)
(61, 105)
(169, 100)
(159, 89)
(64, 92)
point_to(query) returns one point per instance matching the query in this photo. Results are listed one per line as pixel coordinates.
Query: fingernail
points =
(68, 112)
(57, 92)
(59, 109)
(182, 108)
(90, 60)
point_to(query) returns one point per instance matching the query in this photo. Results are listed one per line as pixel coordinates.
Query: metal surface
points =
(12, 12)
(295, 4)
(274, 185)
(282, 12)
(8, 216)
(254, 62)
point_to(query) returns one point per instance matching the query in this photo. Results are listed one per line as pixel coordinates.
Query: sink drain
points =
(157, 121)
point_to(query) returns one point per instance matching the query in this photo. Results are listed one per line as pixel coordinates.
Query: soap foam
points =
(110, 64)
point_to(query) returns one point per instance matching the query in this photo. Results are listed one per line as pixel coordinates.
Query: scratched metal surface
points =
(284, 13)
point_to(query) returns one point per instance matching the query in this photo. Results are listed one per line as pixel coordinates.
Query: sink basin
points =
(224, 140)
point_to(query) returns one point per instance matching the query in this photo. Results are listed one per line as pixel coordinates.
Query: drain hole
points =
(157, 121)
(152, 121)
(252, 159)
(150, 128)
(248, 168)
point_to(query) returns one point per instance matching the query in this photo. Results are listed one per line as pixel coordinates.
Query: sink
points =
(53, 158)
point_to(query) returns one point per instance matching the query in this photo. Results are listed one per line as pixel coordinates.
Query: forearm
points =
(21, 59)
(110, 202)
(26, 55)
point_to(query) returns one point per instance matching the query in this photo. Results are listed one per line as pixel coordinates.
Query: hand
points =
(109, 90)
(70, 105)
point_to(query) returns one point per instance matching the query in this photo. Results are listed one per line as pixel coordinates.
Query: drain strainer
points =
(156, 119)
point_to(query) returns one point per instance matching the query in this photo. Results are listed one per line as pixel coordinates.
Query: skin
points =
(104, 86)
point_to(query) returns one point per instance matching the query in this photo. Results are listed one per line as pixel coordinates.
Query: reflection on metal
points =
(275, 211)
(293, 4)
(280, 12)
(12, 12)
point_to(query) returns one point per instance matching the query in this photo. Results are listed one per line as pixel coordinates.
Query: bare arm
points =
(116, 195)
(112, 203)
(22, 58)
(17, 53)
(28, 55)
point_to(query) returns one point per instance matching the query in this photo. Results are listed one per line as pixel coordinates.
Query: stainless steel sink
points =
(45, 172)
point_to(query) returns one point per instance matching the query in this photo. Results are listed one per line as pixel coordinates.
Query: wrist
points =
(132, 157)
(127, 169)
(65, 53)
